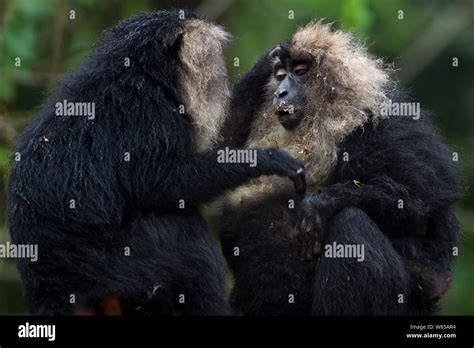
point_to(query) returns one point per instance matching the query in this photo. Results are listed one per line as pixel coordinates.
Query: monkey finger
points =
(304, 225)
(299, 182)
(317, 247)
(303, 251)
(305, 243)
(309, 255)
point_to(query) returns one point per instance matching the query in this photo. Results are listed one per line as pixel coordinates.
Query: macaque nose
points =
(281, 93)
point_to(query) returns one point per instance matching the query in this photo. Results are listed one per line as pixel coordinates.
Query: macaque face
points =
(290, 71)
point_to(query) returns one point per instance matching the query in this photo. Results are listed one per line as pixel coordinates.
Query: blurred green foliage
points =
(49, 43)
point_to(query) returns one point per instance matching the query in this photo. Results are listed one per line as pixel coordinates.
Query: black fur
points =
(120, 203)
(408, 251)
(248, 95)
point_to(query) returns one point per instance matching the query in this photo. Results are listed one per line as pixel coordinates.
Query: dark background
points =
(422, 46)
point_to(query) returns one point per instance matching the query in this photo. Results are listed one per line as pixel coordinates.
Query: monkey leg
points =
(157, 264)
(202, 284)
(272, 280)
(269, 277)
(190, 277)
(428, 260)
(372, 281)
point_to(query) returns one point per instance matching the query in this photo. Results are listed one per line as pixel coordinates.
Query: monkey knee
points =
(371, 254)
(343, 225)
(372, 280)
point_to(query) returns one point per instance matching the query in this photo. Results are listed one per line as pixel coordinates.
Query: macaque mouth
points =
(288, 116)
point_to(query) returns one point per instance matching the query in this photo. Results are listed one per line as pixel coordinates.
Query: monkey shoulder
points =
(408, 151)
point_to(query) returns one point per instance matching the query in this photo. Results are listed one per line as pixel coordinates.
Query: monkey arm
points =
(398, 211)
(426, 240)
(248, 95)
(381, 193)
(400, 175)
(201, 178)
(380, 198)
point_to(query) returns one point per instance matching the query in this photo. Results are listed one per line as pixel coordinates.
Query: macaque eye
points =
(280, 74)
(300, 69)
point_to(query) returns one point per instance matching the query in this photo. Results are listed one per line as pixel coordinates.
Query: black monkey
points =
(383, 183)
(112, 200)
